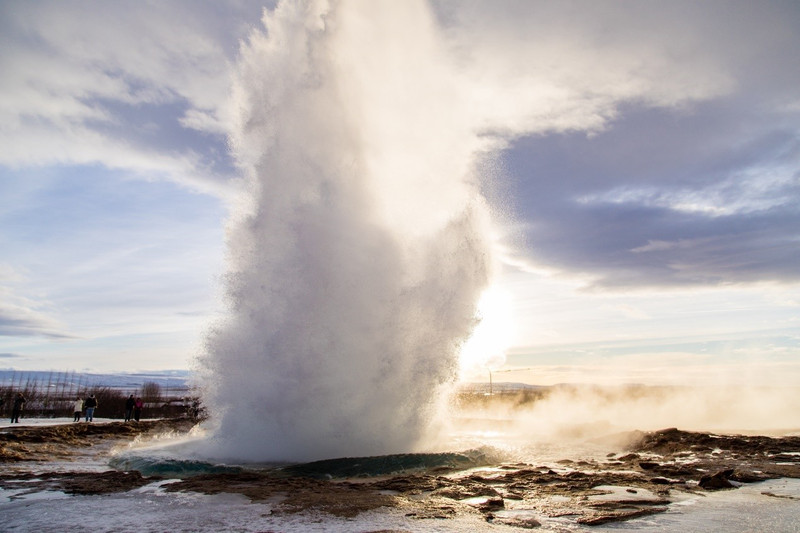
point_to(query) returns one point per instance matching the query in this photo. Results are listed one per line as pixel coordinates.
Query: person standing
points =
(16, 410)
(130, 403)
(76, 409)
(91, 405)
(137, 409)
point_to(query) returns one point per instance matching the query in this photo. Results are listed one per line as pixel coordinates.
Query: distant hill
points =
(168, 379)
(483, 387)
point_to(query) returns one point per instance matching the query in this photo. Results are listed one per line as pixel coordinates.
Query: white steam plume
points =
(360, 252)
(356, 265)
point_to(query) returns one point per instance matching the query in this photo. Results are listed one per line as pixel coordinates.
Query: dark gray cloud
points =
(707, 195)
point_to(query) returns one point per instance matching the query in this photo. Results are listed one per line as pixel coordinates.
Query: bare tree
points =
(151, 392)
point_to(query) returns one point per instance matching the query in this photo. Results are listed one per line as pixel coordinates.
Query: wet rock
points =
(748, 476)
(413, 484)
(434, 512)
(80, 482)
(660, 481)
(519, 522)
(456, 492)
(104, 483)
(492, 504)
(717, 481)
(618, 516)
(785, 458)
(513, 495)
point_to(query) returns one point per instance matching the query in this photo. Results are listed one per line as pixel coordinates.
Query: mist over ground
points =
(568, 415)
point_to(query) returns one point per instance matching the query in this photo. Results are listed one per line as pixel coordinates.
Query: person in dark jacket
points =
(19, 405)
(130, 403)
(90, 404)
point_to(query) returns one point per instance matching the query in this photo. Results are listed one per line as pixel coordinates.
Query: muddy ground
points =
(69, 442)
(637, 481)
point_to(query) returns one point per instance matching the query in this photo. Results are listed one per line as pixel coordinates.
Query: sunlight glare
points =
(486, 348)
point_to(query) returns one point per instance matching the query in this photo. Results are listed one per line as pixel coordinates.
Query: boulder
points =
(717, 481)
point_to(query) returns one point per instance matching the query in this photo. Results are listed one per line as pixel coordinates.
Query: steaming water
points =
(168, 465)
(361, 247)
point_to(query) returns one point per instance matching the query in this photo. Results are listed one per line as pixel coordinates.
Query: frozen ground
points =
(36, 422)
(768, 507)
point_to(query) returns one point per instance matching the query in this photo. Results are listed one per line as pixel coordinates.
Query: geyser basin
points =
(345, 467)
(168, 467)
(392, 464)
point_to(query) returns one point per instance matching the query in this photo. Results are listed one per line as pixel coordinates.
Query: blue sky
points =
(646, 179)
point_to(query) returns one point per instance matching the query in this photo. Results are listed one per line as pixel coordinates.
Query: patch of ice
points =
(619, 493)
(744, 510)
(12, 497)
(154, 510)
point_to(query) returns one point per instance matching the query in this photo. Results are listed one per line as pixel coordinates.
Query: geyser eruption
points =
(358, 256)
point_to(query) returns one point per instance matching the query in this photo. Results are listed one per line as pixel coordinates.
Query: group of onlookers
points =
(133, 408)
(90, 404)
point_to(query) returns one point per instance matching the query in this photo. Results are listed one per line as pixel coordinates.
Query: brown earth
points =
(652, 466)
(66, 441)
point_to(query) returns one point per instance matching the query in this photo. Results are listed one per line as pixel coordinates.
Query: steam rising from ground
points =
(359, 255)
(570, 415)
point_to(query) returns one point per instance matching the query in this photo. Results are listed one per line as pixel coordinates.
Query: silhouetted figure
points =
(19, 405)
(137, 409)
(77, 407)
(91, 405)
(130, 403)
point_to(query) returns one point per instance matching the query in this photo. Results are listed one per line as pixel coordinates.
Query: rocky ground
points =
(638, 481)
(70, 442)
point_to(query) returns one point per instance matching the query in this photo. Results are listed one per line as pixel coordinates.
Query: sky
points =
(645, 181)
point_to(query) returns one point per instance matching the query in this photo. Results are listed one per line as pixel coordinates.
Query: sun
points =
(492, 337)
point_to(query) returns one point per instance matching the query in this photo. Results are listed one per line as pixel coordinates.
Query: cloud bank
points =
(649, 144)
(139, 88)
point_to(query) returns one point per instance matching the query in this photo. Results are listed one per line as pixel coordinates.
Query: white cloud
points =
(69, 68)
(746, 191)
(25, 316)
(533, 67)
(79, 145)
(144, 53)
